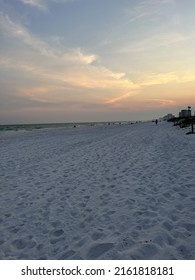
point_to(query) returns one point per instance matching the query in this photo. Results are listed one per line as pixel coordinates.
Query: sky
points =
(95, 60)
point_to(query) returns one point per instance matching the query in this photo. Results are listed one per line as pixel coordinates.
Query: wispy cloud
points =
(78, 55)
(159, 79)
(39, 4)
(59, 70)
(43, 4)
(165, 78)
(16, 30)
(156, 105)
(153, 42)
(161, 102)
(146, 8)
(58, 67)
(116, 100)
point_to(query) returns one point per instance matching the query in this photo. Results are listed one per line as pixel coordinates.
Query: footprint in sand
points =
(163, 238)
(22, 243)
(179, 207)
(80, 242)
(167, 226)
(148, 251)
(67, 255)
(97, 235)
(58, 232)
(98, 250)
(57, 236)
(184, 251)
(2, 241)
(189, 227)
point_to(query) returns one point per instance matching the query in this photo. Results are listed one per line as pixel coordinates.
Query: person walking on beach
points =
(156, 122)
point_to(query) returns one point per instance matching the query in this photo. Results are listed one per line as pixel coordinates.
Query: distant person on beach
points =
(156, 121)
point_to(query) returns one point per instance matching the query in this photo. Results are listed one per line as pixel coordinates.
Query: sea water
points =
(29, 127)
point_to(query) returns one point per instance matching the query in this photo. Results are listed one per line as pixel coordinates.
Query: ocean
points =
(29, 127)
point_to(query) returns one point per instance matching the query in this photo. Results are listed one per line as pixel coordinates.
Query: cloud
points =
(62, 70)
(165, 78)
(158, 79)
(49, 73)
(16, 30)
(42, 4)
(145, 8)
(115, 101)
(39, 4)
(66, 72)
(154, 42)
(77, 55)
(160, 102)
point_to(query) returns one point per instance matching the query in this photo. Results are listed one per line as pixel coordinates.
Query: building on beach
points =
(186, 113)
(168, 117)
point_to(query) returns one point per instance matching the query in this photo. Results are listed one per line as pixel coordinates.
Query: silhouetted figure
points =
(156, 121)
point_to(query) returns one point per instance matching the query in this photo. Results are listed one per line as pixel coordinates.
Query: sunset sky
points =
(95, 60)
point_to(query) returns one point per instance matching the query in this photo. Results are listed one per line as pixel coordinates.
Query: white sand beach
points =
(98, 192)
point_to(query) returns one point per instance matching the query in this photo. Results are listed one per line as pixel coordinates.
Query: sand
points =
(102, 192)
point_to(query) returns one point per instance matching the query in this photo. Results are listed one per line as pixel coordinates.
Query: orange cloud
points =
(158, 102)
(114, 101)
(165, 78)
